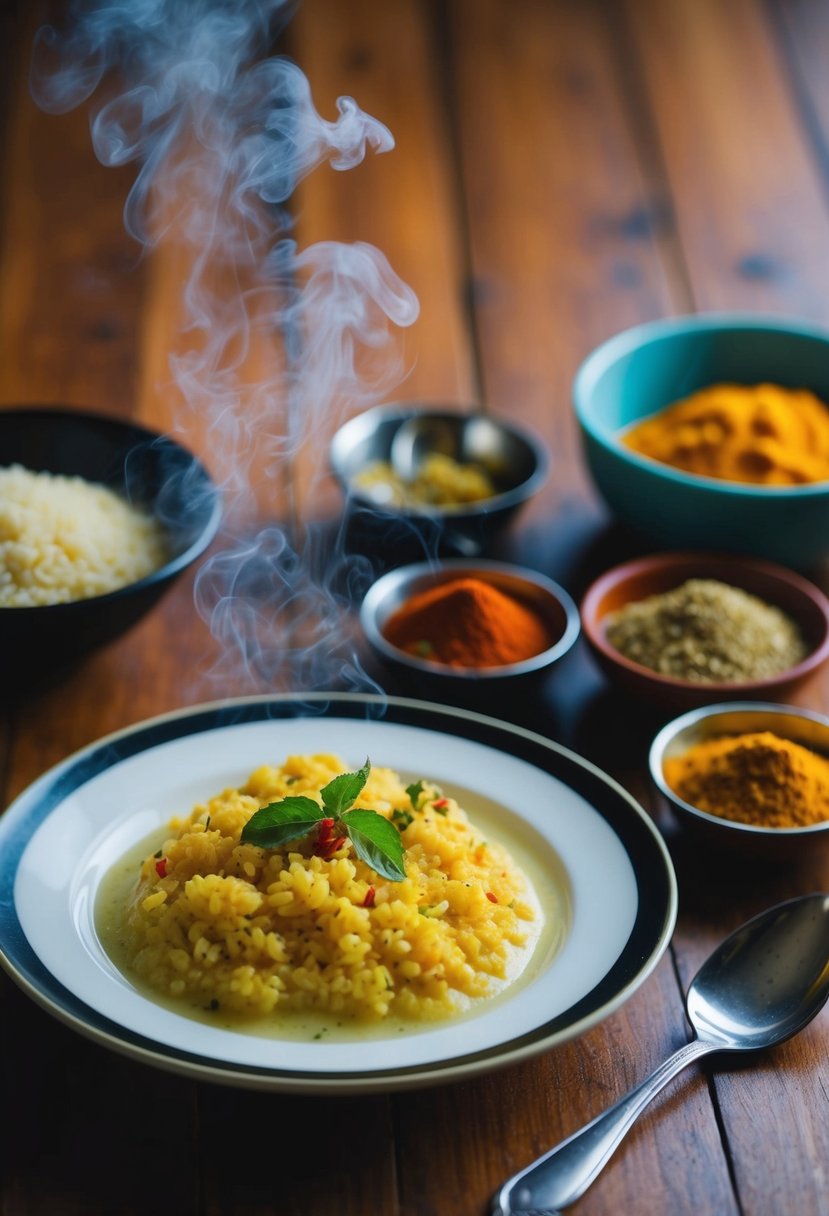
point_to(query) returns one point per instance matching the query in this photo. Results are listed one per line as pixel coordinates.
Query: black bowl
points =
(151, 470)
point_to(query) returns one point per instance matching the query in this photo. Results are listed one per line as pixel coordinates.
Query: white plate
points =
(586, 836)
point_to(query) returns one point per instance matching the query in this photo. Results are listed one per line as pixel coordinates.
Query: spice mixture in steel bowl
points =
(458, 628)
(461, 481)
(751, 775)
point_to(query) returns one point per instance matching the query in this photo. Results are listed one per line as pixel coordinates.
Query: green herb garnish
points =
(375, 840)
(424, 649)
(415, 792)
(401, 819)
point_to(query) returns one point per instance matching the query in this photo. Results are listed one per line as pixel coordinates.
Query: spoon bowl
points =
(760, 986)
(766, 981)
(479, 441)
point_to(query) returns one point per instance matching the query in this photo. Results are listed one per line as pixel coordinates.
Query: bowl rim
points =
(170, 569)
(596, 362)
(464, 567)
(669, 731)
(775, 572)
(405, 409)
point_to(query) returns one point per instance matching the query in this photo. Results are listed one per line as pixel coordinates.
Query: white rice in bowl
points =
(65, 538)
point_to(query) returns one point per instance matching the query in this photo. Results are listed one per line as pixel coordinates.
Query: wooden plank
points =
(802, 36)
(570, 242)
(71, 295)
(403, 203)
(752, 215)
(314, 1149)
(63, 237)
(510, 1118)
(748, 195)
(571, 239)
(81, 1115)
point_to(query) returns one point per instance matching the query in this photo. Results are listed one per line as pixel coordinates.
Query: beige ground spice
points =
(708, 632)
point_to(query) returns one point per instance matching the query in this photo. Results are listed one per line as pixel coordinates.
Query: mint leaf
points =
(377, 842)
(340, 793)
(280, 822)
(414, 792)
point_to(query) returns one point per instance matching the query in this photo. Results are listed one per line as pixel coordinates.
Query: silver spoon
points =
(468, 438)
(418, 437)
(762, 985)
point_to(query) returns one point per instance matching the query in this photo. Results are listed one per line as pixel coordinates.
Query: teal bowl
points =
(643, 370)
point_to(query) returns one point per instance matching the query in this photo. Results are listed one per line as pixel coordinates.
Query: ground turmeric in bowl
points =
(761, 434)
(755, 778)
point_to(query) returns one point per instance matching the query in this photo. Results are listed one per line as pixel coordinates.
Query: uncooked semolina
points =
(230, 926)
(65, 538)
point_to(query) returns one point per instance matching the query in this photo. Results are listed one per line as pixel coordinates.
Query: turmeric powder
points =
(754, 778)
(761, 434)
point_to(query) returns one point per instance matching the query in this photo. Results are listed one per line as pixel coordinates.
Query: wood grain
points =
(751, 240)
(747, 193)
(561, 172)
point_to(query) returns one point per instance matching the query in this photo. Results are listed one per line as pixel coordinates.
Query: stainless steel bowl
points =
(735, 718)
(393, 589)
(515, 458)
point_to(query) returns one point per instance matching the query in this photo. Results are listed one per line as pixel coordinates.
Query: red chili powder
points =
(468, 623)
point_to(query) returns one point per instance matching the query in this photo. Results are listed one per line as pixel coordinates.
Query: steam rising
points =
(279, 340)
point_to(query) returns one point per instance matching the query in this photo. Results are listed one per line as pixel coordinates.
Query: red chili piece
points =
(440, 804)
(327, 843)
(161, 867)
(493, 899)
(370, 897)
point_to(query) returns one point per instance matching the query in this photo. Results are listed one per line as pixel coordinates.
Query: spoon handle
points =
(565, 1172)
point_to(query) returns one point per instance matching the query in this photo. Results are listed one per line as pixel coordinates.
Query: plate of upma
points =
(330, 893)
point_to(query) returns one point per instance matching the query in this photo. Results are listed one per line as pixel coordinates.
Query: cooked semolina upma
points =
(65, 538)
(223, 924)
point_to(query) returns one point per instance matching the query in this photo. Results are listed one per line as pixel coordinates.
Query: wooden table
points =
(562, 171)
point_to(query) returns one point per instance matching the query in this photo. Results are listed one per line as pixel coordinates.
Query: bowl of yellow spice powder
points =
(713, 431)
(753, 774)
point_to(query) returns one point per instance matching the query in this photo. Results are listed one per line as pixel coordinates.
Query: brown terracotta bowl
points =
(635, 580)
